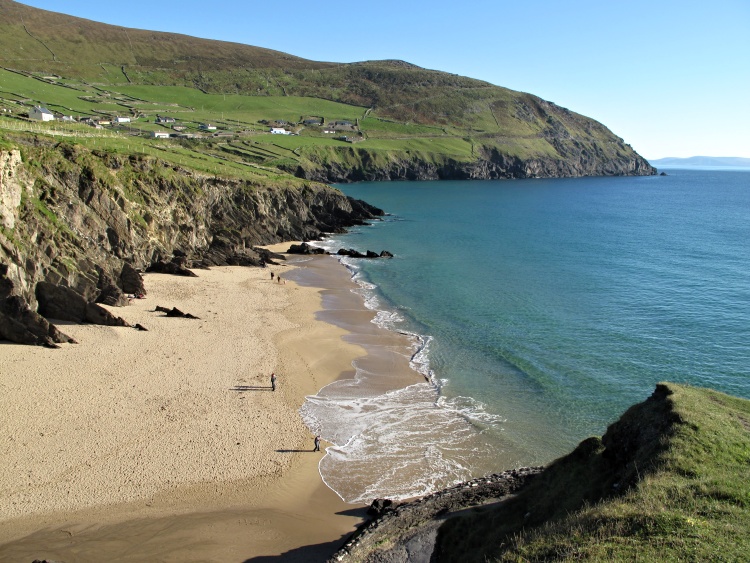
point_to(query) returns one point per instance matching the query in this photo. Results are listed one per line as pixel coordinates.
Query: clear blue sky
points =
(670, 77)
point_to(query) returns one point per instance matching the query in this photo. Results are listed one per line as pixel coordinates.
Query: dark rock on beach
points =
(98, 315)
(269, 257)
(171, 267)
(304, 248)
(31, 329)
(66, 304)
(60, 302)
(174, 312)
(110, 293)
(19, 324)
(131, 281)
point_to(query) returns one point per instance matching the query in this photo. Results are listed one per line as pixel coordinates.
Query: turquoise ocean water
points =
(539, 310)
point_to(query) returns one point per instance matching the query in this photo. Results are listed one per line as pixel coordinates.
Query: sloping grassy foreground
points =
(670, 481)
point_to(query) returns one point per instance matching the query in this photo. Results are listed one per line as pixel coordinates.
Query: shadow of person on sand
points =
(250, 388)
(292, 451)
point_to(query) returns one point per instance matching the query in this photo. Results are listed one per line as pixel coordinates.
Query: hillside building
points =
(40, 113)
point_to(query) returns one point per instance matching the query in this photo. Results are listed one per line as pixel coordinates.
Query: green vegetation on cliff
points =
(667, 482)
(75, 211)
(406, 121)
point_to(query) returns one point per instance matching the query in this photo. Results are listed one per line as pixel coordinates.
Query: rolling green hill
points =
(407, 122)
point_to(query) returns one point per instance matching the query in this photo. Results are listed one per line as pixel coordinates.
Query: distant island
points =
(695, 161)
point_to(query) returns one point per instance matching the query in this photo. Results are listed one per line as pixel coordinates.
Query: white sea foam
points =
(400, 444)
(405, 442)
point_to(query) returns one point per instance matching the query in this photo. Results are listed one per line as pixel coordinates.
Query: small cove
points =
(539, 310)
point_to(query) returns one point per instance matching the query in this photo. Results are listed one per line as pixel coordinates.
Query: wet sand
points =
(168, 445)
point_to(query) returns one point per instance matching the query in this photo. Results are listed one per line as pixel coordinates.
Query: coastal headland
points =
(169, 444)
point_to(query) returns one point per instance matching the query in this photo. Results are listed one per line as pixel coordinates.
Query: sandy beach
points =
(169, 445)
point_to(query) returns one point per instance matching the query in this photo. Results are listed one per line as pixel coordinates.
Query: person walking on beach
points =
(273, 382)
(271, 276)
(317, 443)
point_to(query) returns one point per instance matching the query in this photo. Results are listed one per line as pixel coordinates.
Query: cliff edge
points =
(667, 481)
(77, 226)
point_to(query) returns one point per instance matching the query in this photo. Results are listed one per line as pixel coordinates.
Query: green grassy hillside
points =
(425, 123)
(668, 482)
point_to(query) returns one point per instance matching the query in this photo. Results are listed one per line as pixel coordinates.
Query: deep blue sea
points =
(541, 309)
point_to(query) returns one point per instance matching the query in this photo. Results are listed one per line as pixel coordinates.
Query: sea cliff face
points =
(492, 165)
(88, 221)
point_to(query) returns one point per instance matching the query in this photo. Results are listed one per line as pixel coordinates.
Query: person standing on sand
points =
(273, 382)
(317, 443)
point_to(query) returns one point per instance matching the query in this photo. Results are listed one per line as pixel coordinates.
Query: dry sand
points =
(168, 445)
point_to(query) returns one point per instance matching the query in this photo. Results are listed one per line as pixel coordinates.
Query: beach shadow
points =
(250, 388)
(292, 451)
(306, 554)
(360, 512)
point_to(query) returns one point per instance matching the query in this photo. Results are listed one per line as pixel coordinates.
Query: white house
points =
(160, 135)
(41, 114)
(122, 120)
(279, 131)
(207, 127)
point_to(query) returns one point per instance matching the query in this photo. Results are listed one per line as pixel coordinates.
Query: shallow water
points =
(538, 310)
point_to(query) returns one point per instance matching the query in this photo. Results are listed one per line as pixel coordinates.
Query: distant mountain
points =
(702, 161)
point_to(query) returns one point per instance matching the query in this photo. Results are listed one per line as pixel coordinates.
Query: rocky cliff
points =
(491, 165)
(89, 221)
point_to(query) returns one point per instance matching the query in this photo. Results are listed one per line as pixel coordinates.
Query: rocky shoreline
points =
(79, 227)
(407, 532)
(574, 162)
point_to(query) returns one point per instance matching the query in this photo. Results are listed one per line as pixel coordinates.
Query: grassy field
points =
(251, 151)
(400, 111)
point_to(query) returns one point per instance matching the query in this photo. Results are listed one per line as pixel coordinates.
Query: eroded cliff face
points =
(86, 221)
(12, 186)
(579, 160)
